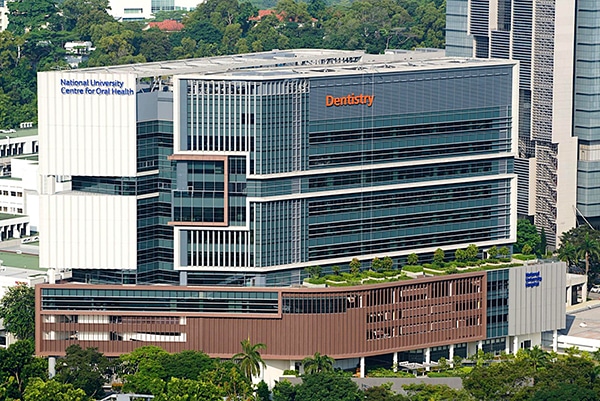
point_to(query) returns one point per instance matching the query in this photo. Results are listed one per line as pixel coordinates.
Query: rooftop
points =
(21, 261)
(19, 133)
(300, 62)
(7, 216)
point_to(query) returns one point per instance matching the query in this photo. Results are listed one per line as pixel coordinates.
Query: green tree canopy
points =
(31, 15)
(52, 390)
(228, 377)
(500, 380)
(317, 363)
(327, 386)
(355, 266)
(86, 369)
(17, 310)
(429, 392)
(190, 390)
(438, 256)
(412, 259)
(526, 234)
(581, 242)
(18, 366)
(284, 391)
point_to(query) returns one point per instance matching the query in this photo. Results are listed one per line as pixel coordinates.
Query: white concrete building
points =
(135, 10)
(556, 43)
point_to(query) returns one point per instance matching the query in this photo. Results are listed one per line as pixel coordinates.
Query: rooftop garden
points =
(384, 270)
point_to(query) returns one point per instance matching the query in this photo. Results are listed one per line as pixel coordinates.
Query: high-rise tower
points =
(554, 42)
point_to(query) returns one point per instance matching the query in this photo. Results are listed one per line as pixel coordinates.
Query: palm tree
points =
(249, 359)
(537, 356)
(317, 363)
(567, 252)
(588, 247)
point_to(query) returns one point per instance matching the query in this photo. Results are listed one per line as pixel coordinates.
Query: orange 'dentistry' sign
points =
(349, 100)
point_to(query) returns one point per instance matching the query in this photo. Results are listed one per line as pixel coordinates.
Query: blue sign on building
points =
(533, 279)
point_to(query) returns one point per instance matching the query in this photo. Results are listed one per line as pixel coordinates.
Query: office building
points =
(556, 43)
(416, 321)
(244, 170)
(136, 10)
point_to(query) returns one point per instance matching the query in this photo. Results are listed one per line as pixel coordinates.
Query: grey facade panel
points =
(533, 302)
(154, 106)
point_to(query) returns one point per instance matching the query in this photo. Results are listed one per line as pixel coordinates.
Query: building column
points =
(515, 344)
(555, 340)
(362, 367)
(292, 365)
(479, 345)
(183, 278)
(584, 290)
(569, 295)
(395, 362)
(51, 366)
(451, 354)
(428, 358)
(507, 345)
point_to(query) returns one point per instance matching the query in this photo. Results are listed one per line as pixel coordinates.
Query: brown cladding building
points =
(419, 320)
(345, 322)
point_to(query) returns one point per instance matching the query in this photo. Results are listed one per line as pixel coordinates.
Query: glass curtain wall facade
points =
(587, 109)
(323, 169)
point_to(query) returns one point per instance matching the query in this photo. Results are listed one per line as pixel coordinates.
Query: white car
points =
(595, 288)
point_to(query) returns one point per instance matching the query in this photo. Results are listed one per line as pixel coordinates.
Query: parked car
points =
(595, 288)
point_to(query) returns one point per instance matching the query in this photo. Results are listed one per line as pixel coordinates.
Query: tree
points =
(17, 310)
(80, 15)
(155, 45)
(564, 392)
(427, 392)
(86, 369)
(31, 15)
(412, 259)
(52, 390)
(18, 366)
(537, 357)
(377, 264)
(438, 256)
(249, 360)
(526, 234)
(588, 247)
(336, 270)
(186, 364)
(262, 391)
(504, 251)
(314, 271)
(382, 393)
(228, 377)
(327, 386)
(143, 370)
(493, 252)
(388, 264)
(460, 255)
(471, 252)
(190, 390)
(500, 381)
(567, 369)
(355, 266)
(586, 242)
(284, 391)
(317, 363)
(526, 250)
(543, 243)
